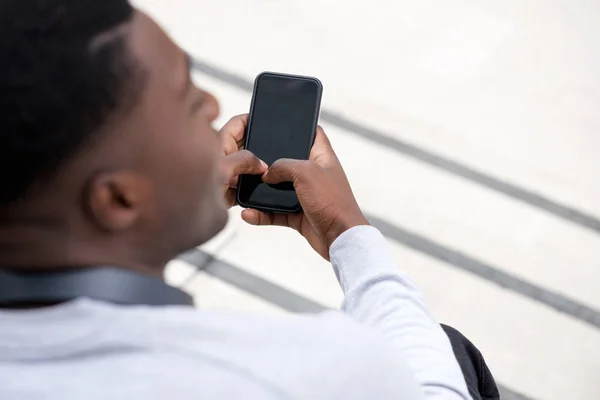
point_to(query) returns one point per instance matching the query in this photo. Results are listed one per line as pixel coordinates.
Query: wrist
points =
(340, 226)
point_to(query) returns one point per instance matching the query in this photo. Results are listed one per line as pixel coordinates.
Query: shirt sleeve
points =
(379, 295)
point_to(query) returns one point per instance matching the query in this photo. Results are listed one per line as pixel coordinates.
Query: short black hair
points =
(63, 75)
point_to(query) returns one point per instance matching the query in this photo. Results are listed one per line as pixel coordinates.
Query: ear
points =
(115, 200)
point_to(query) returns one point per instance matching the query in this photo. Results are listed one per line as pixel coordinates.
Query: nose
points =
(212, 107)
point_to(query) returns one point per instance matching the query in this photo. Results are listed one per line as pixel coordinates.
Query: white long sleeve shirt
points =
(384, 345)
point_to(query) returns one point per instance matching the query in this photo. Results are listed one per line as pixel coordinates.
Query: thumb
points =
(244, 162)
(285, 170)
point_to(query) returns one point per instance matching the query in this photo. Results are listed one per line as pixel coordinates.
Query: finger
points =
(230, 197)
(244, 162)
(235, 127)
(256, 217)
(234, 181)
(287, 170)
(322, 148)
(321, 138)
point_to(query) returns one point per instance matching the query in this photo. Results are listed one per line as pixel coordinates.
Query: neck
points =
(39, 247)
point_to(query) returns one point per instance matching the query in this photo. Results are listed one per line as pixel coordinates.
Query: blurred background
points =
(470, 132)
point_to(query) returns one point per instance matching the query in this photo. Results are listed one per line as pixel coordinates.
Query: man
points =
(109, 159)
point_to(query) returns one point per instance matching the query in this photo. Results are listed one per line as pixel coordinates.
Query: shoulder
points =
(331, 327)
(328, 331)
(297, 351)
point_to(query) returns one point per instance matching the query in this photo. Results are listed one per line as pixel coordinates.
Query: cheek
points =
(206, 159)
(186, 169)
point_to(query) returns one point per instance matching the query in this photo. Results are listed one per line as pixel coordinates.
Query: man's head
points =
(107, 150)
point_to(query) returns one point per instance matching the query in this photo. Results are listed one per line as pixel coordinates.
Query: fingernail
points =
(264, 164)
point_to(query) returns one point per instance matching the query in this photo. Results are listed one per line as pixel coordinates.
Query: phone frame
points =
(298, 208)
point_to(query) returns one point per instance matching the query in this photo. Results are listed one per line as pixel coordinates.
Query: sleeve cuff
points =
(360, 253)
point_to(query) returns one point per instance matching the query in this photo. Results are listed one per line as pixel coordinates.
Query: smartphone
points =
(282, 124)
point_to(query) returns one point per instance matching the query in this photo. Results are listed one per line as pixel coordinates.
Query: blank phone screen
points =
(282, 125)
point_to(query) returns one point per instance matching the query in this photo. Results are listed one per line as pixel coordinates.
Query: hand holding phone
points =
(237, 161)
(328, 204)
(282, 123)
